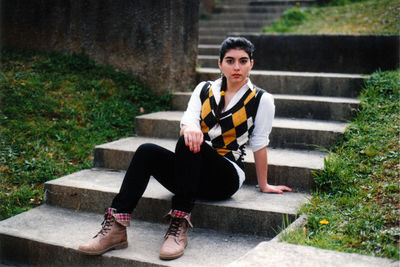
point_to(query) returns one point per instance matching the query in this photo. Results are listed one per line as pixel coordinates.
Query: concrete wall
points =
(206, 7)
(325, 53)
(155, 40)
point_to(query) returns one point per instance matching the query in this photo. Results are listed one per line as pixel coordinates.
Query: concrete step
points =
(225, 30)
(285, 166)
(283, 254)
(50, 236)
(297, 106)
(316, 107)
(270, 2)
(239, 8)
(209, 39)
(245, 23)
(207, 61)
(287, 3)
(297, 83)
(244, 16)
(208, 49)
(286, 133)
(247, 212)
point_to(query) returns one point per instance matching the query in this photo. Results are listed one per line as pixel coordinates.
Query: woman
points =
(208, 161)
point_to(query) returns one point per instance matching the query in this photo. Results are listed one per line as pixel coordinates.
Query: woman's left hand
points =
(278, 189)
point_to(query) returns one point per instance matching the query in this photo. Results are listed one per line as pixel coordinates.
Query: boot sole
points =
(172, 257)
(96, 253)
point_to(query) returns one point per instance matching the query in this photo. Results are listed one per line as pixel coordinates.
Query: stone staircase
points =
(237, 16)
(311, 113)
(224, 231)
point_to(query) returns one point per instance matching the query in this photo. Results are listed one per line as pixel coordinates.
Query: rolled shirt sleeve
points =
(263, 123)
(192, 114)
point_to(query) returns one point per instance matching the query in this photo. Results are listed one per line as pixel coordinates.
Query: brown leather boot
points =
(175, 239)
(111, 236)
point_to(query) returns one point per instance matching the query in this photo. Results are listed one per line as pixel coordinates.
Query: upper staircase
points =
(311, 114)
(239, 16)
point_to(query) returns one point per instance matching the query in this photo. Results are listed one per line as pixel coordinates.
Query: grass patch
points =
(341, 17)
(357, 205)
(54, 109)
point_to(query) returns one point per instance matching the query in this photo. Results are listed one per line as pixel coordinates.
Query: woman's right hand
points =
(193, 137)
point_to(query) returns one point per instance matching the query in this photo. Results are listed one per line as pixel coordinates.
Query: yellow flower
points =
(222, 93)
(323, 222)
(297, 3)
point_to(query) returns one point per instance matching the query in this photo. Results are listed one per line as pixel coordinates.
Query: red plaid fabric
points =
(123, 218)
(179, 214)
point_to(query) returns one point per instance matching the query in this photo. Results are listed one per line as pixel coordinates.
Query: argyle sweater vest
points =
(230, 133)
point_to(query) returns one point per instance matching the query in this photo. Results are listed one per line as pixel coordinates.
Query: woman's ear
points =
(219, 64)
(251, 63)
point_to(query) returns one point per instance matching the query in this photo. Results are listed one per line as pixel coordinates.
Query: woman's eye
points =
(243, 61)
(229, 61)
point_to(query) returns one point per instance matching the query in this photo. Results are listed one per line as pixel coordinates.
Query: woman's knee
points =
(143, 152)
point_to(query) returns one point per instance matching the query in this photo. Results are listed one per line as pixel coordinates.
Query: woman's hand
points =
(193, 137)
(278, 189)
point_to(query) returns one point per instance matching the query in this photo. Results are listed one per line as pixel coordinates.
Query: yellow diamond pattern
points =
(229, 136)
(239, 116)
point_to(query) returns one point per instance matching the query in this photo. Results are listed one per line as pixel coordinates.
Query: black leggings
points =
(189, 176)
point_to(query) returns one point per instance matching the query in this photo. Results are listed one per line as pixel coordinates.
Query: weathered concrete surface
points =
(315, 107)
(248, 211)
(286, 133)
(209, 39)
(49, 236)
(298, 83)
(234, 24)
(243, 15)
(154, 40)
(239, 8)
(325, 53)
(206, 8)
(296, 106)
(274, 254)
(285, 166)
(282, 2)
(223, 30)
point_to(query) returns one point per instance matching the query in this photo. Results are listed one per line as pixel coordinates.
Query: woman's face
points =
(236, 65)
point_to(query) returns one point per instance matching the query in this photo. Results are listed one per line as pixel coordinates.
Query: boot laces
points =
(106, 225)
(175, 227)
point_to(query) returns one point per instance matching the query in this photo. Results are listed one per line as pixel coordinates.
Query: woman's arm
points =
(190, 123)
(261, 160)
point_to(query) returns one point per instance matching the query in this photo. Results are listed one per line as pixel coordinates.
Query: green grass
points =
(358, 189)
(54, 109)
(357, 204)
(341, 17)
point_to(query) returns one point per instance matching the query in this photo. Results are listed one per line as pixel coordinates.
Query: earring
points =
(222, 75)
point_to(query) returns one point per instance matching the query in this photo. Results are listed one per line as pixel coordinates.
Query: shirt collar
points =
(249, 84)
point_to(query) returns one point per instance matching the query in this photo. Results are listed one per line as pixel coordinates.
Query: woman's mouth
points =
(236, 75)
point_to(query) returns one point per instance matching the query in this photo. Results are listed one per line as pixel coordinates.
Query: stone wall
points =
(154, 40)
(361, 54)
(206, 8)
